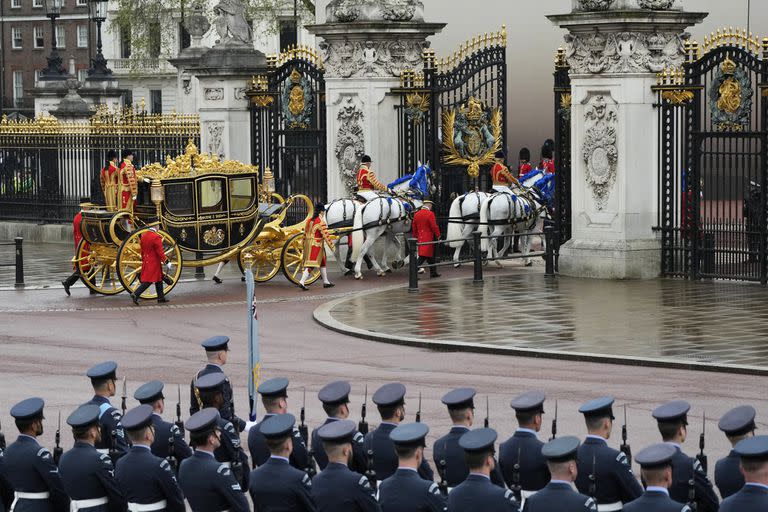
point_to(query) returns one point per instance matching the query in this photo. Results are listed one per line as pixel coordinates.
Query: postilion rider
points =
(368, 185)
(316, 235)
(501, 178)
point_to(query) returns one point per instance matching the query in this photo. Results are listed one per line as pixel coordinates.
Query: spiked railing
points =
(472, 46)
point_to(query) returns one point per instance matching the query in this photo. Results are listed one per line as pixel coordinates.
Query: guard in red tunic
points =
(78, 235)
(109, 181)
(501, 178)
(367, 182)
(316, 235)
(129, 189)
(547, 160)
(425, 229)
(152, 259)
(524, 165)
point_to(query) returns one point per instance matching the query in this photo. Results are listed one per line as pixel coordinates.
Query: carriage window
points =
(211, 198)
(241, 194)
(178, 198)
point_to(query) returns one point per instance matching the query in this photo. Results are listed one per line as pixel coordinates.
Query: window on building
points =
(81, 3)
(37, 3)
(154, 40)
(82, 75)
(16, 37)
(128, 99)
(185, 40)
(18, 88)
(288, 35)
(82, 36)
(39, 38)
(156, 101)
(125, 43)
(61, 37)
(15, 4)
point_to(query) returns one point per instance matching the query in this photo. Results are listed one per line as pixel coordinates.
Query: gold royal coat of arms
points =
(471, 135)
(297, 101)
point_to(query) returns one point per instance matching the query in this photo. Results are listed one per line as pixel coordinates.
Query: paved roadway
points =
(49, 340)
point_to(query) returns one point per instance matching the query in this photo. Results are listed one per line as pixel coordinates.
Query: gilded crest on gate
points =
(214, 236)
(298, 101)
(730, 98)
(471, 135)
(416, 106)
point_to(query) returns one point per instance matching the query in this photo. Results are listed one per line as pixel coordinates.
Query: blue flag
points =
(254, 358)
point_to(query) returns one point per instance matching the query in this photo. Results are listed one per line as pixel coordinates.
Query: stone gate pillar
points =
(366, 45)
(615, 48)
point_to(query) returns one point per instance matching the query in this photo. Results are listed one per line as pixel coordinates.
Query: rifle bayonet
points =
(362, 427)
(418, 413)
(58, 450)
(625, 448)
(303, 430)
(487, 421)
(124, 406)
(701, 457)
(179, 422)
(554, 424)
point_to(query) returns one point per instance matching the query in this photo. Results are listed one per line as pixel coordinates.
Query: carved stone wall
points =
(370, 58)
(616, 5)
(214, 94)
(214, 131)
(599, 150)
(624, 52)
(350, 140)
(348, 11)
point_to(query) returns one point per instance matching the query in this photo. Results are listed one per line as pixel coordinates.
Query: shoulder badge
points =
(236, 487)
(175, 430)
(434, 489)
(685, 508)
(105, 459)
(165, 465)
(229, 427)
(359, 438)
(697, 466)
(223, 470)
(364, 483)
(622, 457)
(116, 414)
(306, 481)
(43, 453)
(509, 496)
(590, 505)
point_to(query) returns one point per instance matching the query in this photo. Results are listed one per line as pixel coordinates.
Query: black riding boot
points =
(70, 281)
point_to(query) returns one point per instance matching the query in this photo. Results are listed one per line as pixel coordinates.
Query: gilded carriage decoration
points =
(214, 236)
(471, 135)
(297, 101)
(730, 98)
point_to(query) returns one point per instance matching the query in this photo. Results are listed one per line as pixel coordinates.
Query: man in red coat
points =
(78, 235)
(425, 229)
(152, 259)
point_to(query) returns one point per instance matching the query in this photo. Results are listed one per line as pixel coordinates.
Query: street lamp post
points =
(55, 69)
(99, 69)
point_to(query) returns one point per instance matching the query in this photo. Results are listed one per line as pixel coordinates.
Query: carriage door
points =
(212, 214)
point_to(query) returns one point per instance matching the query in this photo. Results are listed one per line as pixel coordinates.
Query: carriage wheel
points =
(97, 269)
(129, 263)
(266, 260)
(292, 258)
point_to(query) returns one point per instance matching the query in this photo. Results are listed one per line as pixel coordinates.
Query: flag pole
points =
(254, 358)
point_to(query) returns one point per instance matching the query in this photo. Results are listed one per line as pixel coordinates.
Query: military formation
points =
(132, 459)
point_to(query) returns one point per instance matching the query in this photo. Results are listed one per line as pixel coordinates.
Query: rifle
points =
(303, 430)
(311, 469)
(113, 453)
(593, 479)
(624, 448)
(58, 451)
(441, 470)
(554, 424)
(362, 427)
(2, 439)
(487, 413)
(701, 457)
(418, 413)
(517, 488)
(123, 406)
(179, 422)
(370, 473)
(172, 460)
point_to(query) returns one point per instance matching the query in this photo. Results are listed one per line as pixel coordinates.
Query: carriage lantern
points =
(157, 194)
(269, 181)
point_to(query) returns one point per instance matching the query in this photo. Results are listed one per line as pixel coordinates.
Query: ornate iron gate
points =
(562, 146)
(452, 114)
(713, 160)
(288, 123)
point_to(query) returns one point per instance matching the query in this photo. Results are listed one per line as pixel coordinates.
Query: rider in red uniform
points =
(315, 237)
(367, 182)
(501, 178)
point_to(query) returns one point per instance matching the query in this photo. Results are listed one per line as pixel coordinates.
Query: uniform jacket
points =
(209, 485)
(548, 165)
(152, 257)
(559, 497)
(751, 498)
(112, 433)
(6, 491)
(339, 489)
(477, 493)
(87, 474)
(227, 410)
(655, 501)
(128, 186)
(685, 468)
(315, 237)
(385, 460)
(447, 448)
(277, 487)
(500, 175)
(614, 478)
(167, 433)
(78, 236)
(257, 446)
(407, 491)
(109, 185)
(145, 479)
(359, 459)
(367, 180)
(230, 451)
(522, 169)
(425, 229)
(728, 477)
(30, 468)
(533, 473)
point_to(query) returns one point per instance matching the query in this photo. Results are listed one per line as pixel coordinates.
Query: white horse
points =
(464, 217)
(504, 214)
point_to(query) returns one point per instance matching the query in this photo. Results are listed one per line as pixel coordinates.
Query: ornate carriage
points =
(210, 211)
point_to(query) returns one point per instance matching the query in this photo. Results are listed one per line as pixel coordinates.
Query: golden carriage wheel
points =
(96, 265)
(292, 258)
(129, 263)
(266, 260)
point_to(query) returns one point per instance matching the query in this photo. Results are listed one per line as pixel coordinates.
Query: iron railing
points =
(18, 262)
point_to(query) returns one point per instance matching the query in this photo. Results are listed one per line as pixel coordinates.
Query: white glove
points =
(134, 197)
(249, 425)
(169, 266)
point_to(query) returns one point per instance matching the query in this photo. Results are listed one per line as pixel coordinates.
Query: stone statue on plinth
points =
(231, 25)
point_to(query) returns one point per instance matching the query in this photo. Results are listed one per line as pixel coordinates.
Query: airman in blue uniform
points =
(146, 480)
(275, 485)
(558, 494)
(406, 490)
(753, 497)
(656, 464)
(477, 492)
(522, 463)
(169, 439)
(390, 400)
(604, 474)
(104, 381)
(30, 468)
(446, 452)
(274, 396)
(216, 349)
(338, 488)
(210, 390)
(737, 424)
(88, 476)
(689, 480)
(209, 485)
(335, 399)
